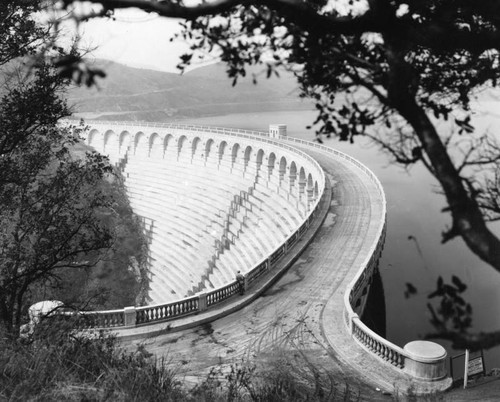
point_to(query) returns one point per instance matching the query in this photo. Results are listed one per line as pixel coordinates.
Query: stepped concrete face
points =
(212, 204)
(217, 201)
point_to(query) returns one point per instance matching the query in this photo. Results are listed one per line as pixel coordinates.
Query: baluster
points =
(385, 350)
(390, 356)
(400, 360)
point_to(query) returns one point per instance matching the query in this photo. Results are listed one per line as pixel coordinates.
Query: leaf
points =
(440, 283)
(458, 283)
(410, 290)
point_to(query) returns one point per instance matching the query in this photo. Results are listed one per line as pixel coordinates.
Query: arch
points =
(293, 173)
(246, 156)
(271, 161)
(208, 148)
(110, 140)
(316, 190)
(234, 153)
(167, 142)
(260, 158)
(282, 170)
(139, 140)
(124, 141)
(195, 146)
(155, 145)
(302, 180)
(310, 189)
(92, 137)
(222, 148)
(180, 144)
(310, 182)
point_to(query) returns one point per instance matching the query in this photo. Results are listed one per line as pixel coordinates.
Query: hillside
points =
(129, 93)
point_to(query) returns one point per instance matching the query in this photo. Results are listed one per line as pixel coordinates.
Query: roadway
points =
(298, 321)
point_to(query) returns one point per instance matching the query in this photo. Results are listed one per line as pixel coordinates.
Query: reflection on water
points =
(413, 251)
(375, 312)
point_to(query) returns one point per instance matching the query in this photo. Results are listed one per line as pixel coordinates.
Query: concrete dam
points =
(287, 214)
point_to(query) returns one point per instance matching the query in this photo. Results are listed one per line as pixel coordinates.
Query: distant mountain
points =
(129, 93)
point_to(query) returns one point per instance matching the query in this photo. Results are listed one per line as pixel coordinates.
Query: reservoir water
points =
(413, 252)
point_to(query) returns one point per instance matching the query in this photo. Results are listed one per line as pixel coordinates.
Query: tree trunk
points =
(468, 221)
(5, 317)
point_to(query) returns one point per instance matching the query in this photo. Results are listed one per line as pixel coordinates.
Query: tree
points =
(403, 65)
(50, 205)
(50, 201)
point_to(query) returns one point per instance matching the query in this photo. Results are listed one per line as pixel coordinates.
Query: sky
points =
(141, 39)
(136, 38)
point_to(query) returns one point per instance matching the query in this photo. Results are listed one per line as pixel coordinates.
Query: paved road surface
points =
(287, 323)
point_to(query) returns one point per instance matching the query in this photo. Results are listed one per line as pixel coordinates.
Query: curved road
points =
(291, 322)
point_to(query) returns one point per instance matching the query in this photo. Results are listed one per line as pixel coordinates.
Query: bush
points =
(58, 364)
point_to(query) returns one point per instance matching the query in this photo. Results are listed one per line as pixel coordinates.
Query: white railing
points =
(175, 126)
(133, 316)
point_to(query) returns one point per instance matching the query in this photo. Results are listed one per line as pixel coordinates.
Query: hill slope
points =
(139, 94)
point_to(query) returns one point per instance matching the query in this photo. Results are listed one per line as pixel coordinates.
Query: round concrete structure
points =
(427, 360)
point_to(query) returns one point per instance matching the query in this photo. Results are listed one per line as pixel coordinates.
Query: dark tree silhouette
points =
(49, 201)
(402, 65)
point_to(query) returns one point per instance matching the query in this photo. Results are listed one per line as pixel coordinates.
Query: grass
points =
(58, 365)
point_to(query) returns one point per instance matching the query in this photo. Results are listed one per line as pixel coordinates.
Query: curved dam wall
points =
(250, 184)
(213, 202)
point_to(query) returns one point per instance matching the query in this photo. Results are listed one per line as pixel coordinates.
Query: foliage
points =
(278, 380)
(387, 70)
(120, 277)
(57, 208)
(452, 316)
(20, 34)
(49, 217)
(60, 365)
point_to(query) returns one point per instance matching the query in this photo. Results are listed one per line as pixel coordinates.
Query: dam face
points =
(212, 205)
